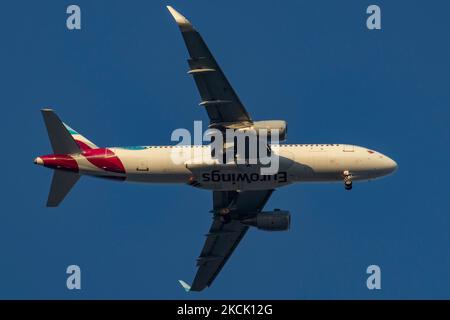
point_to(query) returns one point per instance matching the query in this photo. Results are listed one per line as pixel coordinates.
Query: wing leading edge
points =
(224, 237)
(217, 95)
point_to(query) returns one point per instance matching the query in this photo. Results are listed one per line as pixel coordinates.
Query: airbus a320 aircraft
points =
(239, 192)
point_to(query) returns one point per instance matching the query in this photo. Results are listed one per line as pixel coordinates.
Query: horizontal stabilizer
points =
(61, 140)
(62, 183)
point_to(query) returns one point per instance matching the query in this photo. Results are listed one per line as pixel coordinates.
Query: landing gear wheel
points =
(348, 184)
(347, 180)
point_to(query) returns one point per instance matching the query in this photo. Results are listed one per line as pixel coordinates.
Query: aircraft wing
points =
(224, 237)
(217, 95)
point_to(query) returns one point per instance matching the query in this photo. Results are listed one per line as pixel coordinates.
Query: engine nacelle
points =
(272, 125)
(270, 221)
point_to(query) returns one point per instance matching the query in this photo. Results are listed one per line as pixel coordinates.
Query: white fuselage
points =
(297, 163)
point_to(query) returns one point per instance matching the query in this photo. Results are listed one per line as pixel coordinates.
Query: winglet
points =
(182, 22)
(186, 287)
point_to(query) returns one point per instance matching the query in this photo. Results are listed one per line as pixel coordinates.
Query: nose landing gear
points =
(348, 184)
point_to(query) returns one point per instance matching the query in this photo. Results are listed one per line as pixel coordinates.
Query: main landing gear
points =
(347, 180)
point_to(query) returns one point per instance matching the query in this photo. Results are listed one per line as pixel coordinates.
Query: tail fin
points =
(62, 183)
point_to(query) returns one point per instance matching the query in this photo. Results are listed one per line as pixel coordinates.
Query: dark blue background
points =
(122, 80)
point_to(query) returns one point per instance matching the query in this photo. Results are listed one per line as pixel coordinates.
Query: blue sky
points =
(122, 80)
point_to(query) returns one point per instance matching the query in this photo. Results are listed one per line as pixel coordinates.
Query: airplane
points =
(239, 192)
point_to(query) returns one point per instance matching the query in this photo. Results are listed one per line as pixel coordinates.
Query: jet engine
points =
(270, 221)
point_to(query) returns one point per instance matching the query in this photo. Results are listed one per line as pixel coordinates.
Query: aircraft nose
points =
(389, 165)
(38, 161)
